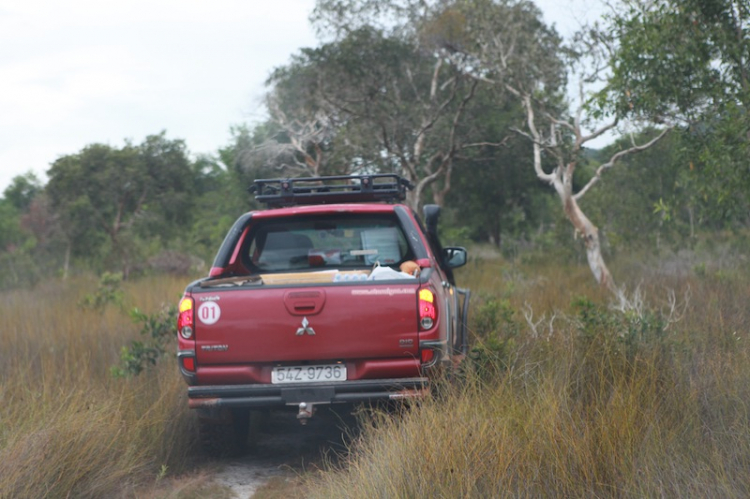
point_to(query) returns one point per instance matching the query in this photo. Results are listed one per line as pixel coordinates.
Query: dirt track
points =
(282, 447)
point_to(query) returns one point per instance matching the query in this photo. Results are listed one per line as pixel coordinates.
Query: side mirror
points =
(454, 257)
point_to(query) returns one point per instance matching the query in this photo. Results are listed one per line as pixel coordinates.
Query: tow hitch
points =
(306, 411)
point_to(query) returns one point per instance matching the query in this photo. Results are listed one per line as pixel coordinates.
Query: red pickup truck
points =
(335, 294)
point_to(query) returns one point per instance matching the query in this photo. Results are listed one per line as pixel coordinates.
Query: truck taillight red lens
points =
(427, 311)
(427, 355)
(185, 319)
(188, 363)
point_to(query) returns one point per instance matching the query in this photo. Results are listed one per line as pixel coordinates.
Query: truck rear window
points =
(338, 241)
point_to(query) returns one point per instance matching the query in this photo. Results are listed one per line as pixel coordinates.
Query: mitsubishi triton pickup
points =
(337, 293)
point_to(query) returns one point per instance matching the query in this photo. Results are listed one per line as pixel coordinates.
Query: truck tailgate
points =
(306, 324)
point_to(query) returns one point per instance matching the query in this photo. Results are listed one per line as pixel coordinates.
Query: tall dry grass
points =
(568, 393)
(67, 427)
(573, 394)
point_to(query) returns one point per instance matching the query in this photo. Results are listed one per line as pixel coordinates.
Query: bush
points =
(109, 292)
(158, 329)
(495, 331)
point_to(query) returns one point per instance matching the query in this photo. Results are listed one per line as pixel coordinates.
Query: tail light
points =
(427, 310)
(188, 363)
(186, 339)
(185, 319)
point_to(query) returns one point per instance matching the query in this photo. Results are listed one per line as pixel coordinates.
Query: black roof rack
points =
(326, 190)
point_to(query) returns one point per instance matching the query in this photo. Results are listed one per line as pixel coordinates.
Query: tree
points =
(509, 47)
(690, 60)
(495, 192)
(108, 195)
(302, 141)
(168, 186)
(22, 190)
(684, 58)
(10, 228)
(18, 245)
(649, 200)
(378, 99)
(15, 203)
(501, 45)
(221, 183)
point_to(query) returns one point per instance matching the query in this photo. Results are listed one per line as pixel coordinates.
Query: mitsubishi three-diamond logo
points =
(305, 328)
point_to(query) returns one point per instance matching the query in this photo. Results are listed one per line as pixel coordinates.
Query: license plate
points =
(308, 374)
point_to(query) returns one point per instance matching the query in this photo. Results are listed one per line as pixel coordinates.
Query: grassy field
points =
(573, 394)
(67, 427)
(569, 393)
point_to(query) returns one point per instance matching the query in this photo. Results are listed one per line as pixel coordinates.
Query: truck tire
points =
(224, 434)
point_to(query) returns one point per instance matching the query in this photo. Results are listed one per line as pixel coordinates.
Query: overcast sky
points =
(77, 72)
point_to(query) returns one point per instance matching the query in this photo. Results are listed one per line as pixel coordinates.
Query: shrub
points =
(158, 329)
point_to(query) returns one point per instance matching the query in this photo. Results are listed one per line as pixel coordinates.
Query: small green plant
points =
(700, 270)
(158, 329)
(626, 331)
(496, 317)
(108, 293)
(496, 330)
(162, 472)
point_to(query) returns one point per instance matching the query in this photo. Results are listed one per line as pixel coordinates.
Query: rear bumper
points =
(267, 396)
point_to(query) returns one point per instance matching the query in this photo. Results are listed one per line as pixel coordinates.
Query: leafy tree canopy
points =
(22, 190)
(682, 57)
(690, 60)
(106, 193)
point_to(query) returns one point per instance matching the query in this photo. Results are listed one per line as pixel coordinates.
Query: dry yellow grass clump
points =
(68, 428)
(573, 394)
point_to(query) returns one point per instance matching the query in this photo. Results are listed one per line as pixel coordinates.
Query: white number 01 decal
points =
(209, 312)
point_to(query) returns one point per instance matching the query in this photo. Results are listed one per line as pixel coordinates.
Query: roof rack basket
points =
(281, 192)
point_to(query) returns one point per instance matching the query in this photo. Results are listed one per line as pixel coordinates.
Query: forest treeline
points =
(483, 106)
